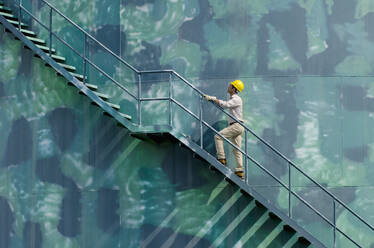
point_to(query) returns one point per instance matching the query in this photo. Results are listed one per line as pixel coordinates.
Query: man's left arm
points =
(232, 103)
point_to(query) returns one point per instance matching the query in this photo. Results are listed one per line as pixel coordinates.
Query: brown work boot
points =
(222, 161)
(240, 174)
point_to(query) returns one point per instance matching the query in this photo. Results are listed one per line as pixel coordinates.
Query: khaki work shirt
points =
(235, 106)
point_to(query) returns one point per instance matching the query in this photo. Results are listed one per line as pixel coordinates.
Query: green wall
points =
(71, 177)
(306, 65)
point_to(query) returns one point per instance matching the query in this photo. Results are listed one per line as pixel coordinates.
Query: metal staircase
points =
(284, 216)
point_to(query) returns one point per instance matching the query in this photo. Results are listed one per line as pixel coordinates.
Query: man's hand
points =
(216, 101)
(210, 98)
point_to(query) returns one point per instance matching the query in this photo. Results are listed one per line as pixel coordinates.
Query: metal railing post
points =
(84, 58)
(50, 31)
(19, 14)
(170, 103)
(289, 191)
(334, 218)
(139, 100)
(245, 157)
(201, 120)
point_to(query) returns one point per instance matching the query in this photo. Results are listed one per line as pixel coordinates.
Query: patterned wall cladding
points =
(307, 69)
(70, 177)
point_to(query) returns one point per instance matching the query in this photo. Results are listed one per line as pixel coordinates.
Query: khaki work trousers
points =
(233, 133)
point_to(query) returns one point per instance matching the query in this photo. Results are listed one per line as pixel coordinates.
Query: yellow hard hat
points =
(238, 84)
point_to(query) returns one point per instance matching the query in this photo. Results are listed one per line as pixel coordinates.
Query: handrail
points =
(172, 72)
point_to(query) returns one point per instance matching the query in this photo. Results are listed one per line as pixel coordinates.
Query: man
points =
(235, 130)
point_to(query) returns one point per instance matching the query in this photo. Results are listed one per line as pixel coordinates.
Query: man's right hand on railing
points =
(210, 98)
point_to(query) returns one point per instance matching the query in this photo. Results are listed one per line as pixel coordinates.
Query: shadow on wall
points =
(6, 223)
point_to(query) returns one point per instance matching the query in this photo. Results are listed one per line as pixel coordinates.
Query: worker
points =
(235, 130)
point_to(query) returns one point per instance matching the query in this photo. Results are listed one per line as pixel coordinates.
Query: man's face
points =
(230, 89)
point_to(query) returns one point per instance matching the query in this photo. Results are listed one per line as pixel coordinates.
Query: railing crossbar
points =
(184, 108)
(322, 216)
(68, 45)
(345, 235)
(155, 99)
(109, 77)
(35, 18)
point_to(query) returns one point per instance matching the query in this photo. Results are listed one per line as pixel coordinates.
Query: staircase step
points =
(115, 106)
(68, 67)
(91, 86)
(8, 16)
(45, 49)
(55, 57)
(15, 23)
(36, 40)
(79, 76)
(58, 58)
(102, 96)
(5, 9)
(126, 116)
(28, 32)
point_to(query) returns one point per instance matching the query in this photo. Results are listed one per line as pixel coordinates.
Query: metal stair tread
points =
(3, 8)
(58, 58)
(36, 40)
(45, 48)
(28, 32)
(68, 67)
(79, 76)
(16, 23)
(8, 15)
(91, 86)
(101, 95)
(115, 106)
(125, 115)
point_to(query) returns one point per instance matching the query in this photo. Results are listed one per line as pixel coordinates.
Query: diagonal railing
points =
(198, 116)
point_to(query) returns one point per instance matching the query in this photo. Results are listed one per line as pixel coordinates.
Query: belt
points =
(232, 123)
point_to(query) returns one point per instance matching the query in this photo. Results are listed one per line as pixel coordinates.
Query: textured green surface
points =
(307, 67)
